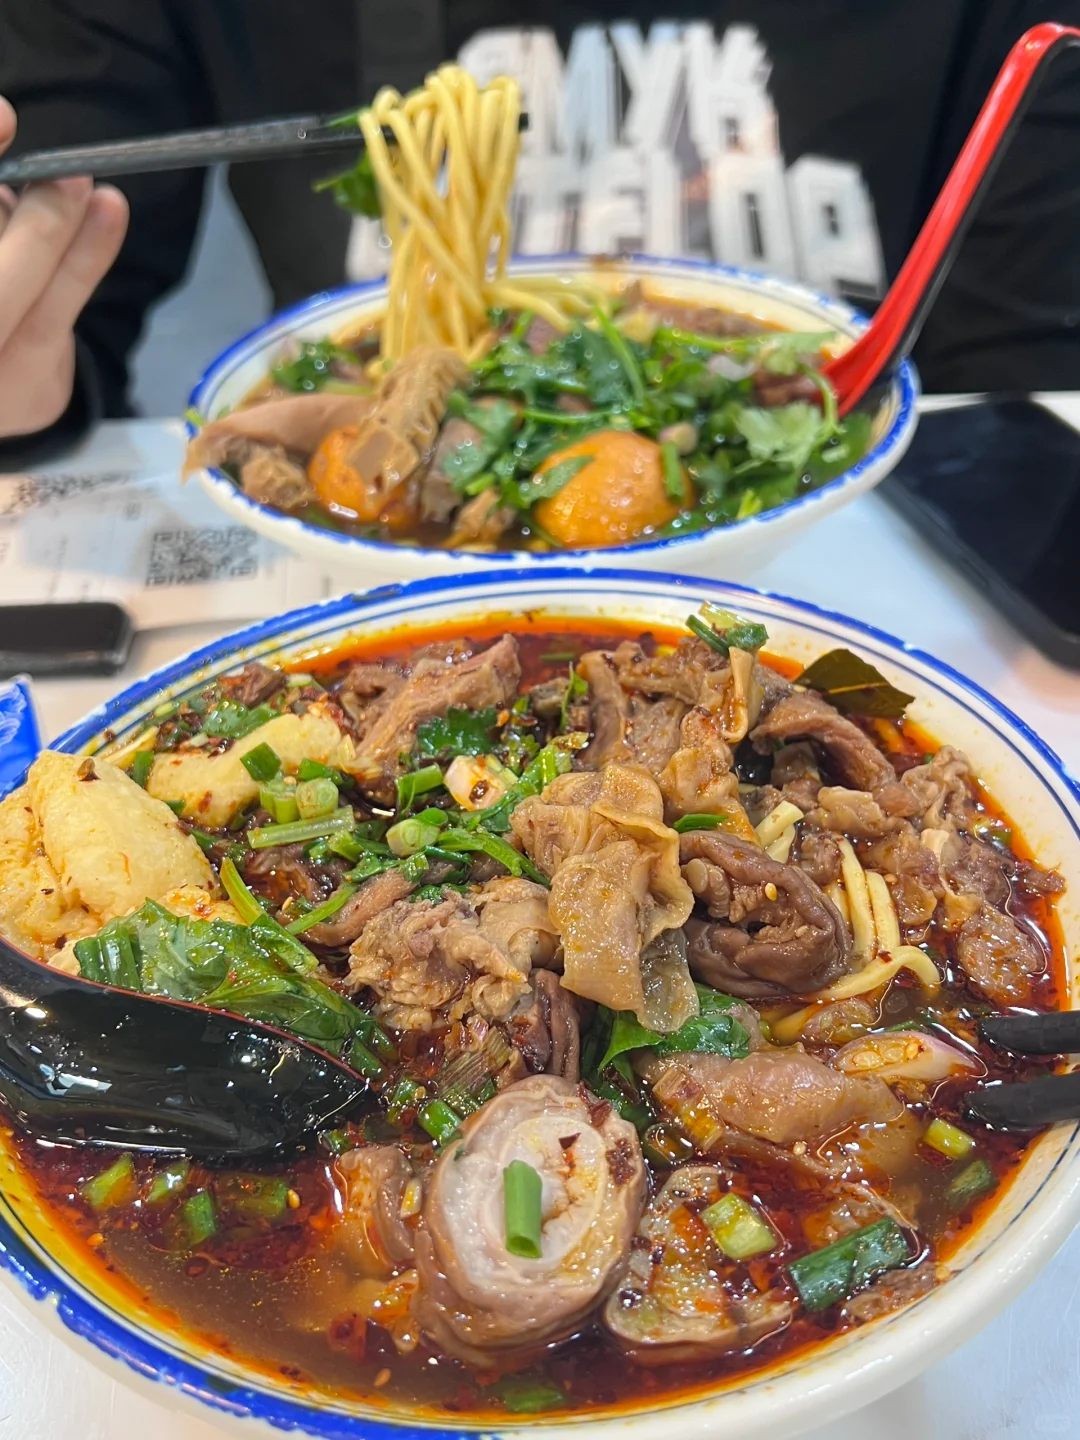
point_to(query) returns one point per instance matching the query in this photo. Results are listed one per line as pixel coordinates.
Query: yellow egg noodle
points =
(444, 183)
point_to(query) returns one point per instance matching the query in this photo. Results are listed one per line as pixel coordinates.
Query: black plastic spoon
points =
(86, 1064)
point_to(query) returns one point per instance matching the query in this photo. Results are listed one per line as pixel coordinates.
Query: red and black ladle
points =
(900, 316)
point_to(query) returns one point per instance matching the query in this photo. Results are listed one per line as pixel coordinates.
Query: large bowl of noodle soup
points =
(733, 548)
(84, 1299)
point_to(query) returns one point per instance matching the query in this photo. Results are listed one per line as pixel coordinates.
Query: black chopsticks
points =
(191, 149)
(186, 149)
(1025, 1104)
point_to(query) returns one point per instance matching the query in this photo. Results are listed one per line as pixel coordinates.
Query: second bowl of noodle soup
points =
(190, 1326)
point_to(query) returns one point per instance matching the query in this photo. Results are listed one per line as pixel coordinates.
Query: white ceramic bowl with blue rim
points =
(733, 551)
(1031, 1219)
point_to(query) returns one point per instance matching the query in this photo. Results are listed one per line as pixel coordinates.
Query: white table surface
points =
(1020, 1378)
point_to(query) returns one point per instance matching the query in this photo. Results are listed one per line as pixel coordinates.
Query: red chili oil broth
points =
(269, 1293)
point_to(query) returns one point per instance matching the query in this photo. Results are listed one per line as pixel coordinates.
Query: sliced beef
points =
(680, 672)
(373, 897)
(772, 389)
(911, 873)
(482, 520)
(546, 1028)
(437, 499)
(782, 1096)
(999, 955)
(772, 933)
(851, 812)
(432, 962)
(254, 685)
(626, 727)
(818, 854)
(850, 754)
(941, 789)
(367, 689)
(490, 678)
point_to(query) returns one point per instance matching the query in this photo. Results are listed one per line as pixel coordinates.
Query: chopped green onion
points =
(176, 806)
(406, 1095)
(409, 836)
(316, 798)
(702, 822)
(114, 1186)
(375, 1037)
(972, 1182)
(337, 1141)
(169, 1181)
(253, 1197)
(244, 901)
(522, 1197)
(948, 1139)
(316, 770)
(199, 1218)
(738, 1229)
(440, 1122)
(825, 1276)
(261, 763)
(280, 800)
(364, 1062)
(324, 911)
(479, 840)
(417, 782)
(205, 841)
(299, 831)
(522, 1398)
(664, 1145)
(141, 766)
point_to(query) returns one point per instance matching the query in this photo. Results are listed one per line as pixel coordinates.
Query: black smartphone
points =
(82, 637)
(995, 487)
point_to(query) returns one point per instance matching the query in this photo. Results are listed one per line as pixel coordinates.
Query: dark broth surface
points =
(277, 1292)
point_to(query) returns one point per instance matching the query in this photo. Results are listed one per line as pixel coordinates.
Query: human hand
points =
(57, 240)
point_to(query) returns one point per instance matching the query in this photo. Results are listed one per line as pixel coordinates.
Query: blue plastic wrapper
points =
(20, 739)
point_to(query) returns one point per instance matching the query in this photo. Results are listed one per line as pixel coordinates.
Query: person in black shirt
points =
(807, 139)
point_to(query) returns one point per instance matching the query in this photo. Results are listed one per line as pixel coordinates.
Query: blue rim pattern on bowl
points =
(91, 1318)
(284, 321)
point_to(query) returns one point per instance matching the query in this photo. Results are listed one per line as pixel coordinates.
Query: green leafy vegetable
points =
(325, 911)
(825, 1276)
(854, 686)
(312, 369)
(458, 732)
(257, 970)
(355, 190)
(229, 720)
(712, 1032)
(543, 487)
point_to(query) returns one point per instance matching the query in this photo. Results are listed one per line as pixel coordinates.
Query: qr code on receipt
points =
(201, 556)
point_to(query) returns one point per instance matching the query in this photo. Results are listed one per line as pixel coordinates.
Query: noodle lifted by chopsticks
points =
(445, 187)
